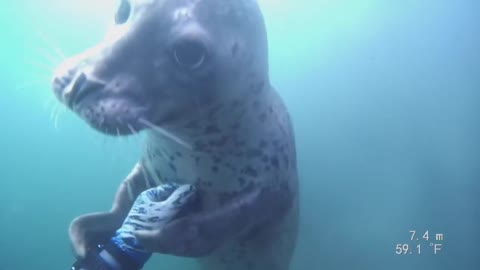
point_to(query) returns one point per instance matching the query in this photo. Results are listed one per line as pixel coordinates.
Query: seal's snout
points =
(82, 88)
(58, 85)
(62, 77)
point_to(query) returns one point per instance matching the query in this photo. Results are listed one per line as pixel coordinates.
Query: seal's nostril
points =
(81, 88)
(76, 87)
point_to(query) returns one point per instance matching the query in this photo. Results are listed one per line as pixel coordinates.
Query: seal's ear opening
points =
(189, 53)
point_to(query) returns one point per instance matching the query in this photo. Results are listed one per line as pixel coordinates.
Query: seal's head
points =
(165, 61)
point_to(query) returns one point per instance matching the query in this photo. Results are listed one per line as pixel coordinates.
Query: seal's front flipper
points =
(92, 229)
(152, 209)
(201, 232)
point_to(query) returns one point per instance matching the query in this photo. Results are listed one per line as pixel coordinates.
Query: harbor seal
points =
(194, 75)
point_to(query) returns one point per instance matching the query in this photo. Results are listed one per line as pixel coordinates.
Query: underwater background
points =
(385, 99)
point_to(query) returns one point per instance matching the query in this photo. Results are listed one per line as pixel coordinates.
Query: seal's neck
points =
(222, 126)
(231, 134)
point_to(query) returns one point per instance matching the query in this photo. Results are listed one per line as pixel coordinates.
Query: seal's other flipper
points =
(89, 230)
(152, 209)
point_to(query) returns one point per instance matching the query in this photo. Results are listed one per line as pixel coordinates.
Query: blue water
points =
(384, 95)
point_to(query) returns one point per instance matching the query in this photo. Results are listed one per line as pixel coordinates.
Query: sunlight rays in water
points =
(41, 66)
(55, 49)
(41, 58)
(40, 61)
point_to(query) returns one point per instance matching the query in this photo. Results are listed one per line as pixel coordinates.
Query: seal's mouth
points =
(111, 112)
(72, 90)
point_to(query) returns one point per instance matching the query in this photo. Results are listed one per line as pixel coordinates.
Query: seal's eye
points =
(123, 12)
(189, 53)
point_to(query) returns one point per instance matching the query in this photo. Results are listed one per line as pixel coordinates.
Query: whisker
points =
(165, 133)
(104, 142)
(120, 138)
(55, 121)
(40, 66)
(38, 75)
(30, 83)
(49, 102)
(127, 139)
(60, 113)
(130, 191)
(132, 129)
(115, 143)
(164, 154)
(150, 168)
(107, 145)
(55, 109)
(147, 183)
(50, 59)
(55, 49)
(55, 113)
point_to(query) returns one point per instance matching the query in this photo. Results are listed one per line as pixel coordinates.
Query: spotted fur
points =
(219, 126)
